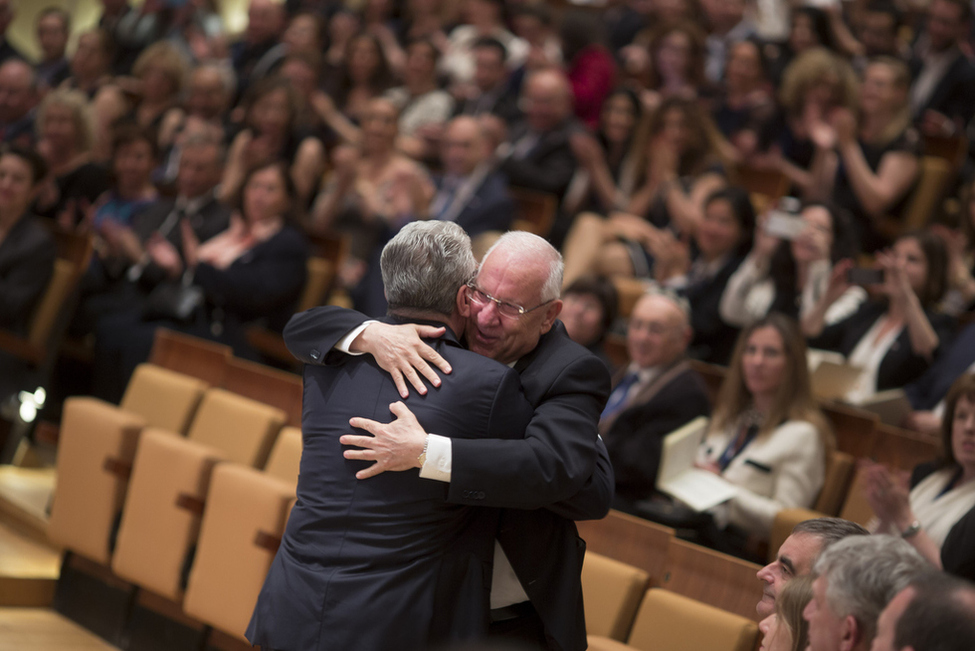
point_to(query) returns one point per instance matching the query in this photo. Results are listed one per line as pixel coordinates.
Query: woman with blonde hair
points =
(786, 629)
(868, 163)
(161, 71)
(767, 436)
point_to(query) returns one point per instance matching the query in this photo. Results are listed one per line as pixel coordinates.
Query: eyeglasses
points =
(509, 310)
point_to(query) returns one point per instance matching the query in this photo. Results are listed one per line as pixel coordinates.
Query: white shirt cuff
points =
(439, 459)
(345, 342)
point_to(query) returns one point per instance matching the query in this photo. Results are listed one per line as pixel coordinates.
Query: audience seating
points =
(935, 175)
(765, 186)
(611, 591)
(713, 376)
(190, 355)
(161, 519)
(629, 291)
(285, 457)
(241, 428)
(839, 474)
(243, 522)
(855, 507)
(903, 449)
(629, 539)
(678, 623)
(855, 429)
(713, 578)
(265, 384)
(166, 399)
(96, 438)
(536, 211)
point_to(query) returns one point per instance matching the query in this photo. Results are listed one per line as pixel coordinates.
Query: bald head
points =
(18, 90)
(548, 99)
(463, 146)
(659, 331)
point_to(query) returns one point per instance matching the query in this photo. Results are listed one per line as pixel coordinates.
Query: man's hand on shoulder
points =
(400, 351)
(393, 446)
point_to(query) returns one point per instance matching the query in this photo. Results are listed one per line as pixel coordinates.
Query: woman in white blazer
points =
(767, 436)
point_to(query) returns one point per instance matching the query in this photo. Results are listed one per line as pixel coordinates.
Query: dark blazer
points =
(931, 388)
(674, 398)
(558, 473)
(490, 208)
(548, 166)
(27, 256)
(503, 104)
(954, 94)
(386, 563)
(900, 365)
(714, 340)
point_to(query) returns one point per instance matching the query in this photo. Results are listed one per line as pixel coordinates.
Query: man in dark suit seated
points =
(388, 563)
(657, 393)
(558, 473)
(18, 100)
(490, 92)
(470, 192)
(942, 94)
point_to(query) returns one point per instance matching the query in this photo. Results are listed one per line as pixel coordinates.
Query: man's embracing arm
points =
(312, 334)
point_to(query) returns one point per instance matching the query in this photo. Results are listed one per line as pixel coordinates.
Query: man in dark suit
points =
(490, 92)
(942, 95)
(657, 393)
(388, 563)
(558, 473)
(470, 192)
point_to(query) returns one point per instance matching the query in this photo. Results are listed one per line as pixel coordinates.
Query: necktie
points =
(618, 397)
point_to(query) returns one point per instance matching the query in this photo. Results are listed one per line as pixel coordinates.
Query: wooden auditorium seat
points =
(96, 438)
(631, 540)
(190, 355)
(677, 623)
(855, 429)
(285, 457)
(244, 519)
(165, 398)
(713, 578)
(536, 211)
(855, 507)
(611, 591)
(265, 384)
(839, 474)
(241, 428)
(161, 518)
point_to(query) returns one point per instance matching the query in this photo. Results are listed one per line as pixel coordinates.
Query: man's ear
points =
(551, 313)
(850, 633)
(463, 305)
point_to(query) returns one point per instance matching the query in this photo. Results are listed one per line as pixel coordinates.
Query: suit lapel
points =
(646, 394)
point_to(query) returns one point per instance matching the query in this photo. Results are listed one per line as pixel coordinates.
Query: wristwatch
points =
(910, 532)
(422, 459)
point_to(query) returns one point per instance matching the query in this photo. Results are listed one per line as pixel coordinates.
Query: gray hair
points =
(203, 140)
(829, 530)
(863, 573)
(76, 102)
(534, 248)
(424, 266)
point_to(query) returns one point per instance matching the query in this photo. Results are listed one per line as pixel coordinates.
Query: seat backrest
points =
(241, 428)
(839, 473)
(631, 540)
(935, 174)
(772, 185)
(229, 568)
(87, 496)
(190, 355)
(321, 272)
(166, 399)
(611, 592)
(785, 521)
(156, 534)
(713, 578)
(677, 623)
(855, 429)
(536, 211)
(285, 457)
(265, 384)
(856, 508)
(903, 449)
(52, 301)
(713, 376)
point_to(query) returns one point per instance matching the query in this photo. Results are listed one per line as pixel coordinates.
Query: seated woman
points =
(160, 71)
(362, 76)
(745, 107)
(869, 166)
(895, 336)
(791, 277)
(424, 107)
(66, 135)
(251, 273)
(270, 135)
(786, 629)
(589, 308)
(680, 168)
(940, 493)
(133, 159)
(767, 436)
(676, 62)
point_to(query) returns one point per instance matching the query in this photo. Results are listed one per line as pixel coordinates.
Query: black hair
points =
(38, 166)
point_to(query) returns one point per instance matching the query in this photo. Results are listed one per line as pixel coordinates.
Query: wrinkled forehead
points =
(514, 277)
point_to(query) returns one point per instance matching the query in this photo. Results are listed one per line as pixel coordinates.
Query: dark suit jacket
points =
(548, 166)
(954, 94)
(713, 338)
(674, 398)
(385, 563)
(560, 465)
(928, 390)
(490, 208)
(900, 365)
(27, 256)
(504, 105)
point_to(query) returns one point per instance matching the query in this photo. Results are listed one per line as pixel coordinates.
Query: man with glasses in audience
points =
(559, 472)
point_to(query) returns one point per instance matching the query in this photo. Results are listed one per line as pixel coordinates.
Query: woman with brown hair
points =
(680, 168)
(941, 492)
(161, 71)
(767, 436)
(869, 163)
(786, 629)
